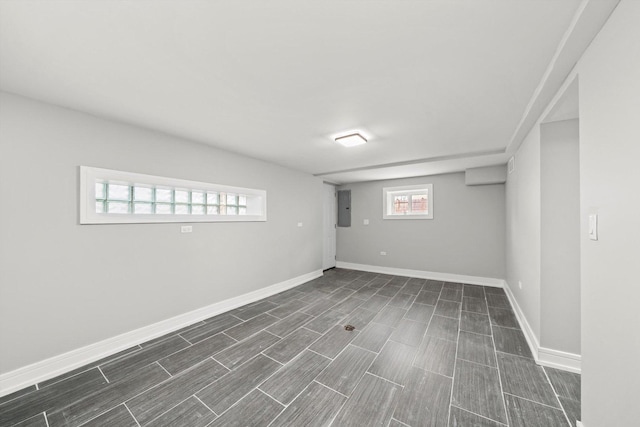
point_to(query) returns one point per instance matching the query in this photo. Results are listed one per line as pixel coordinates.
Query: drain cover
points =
(349, 328)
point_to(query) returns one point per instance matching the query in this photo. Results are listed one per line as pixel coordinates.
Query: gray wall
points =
(466, 235)
(64, 286)
(610, 178)
(609, 90)
(523, 229)
(560, 236)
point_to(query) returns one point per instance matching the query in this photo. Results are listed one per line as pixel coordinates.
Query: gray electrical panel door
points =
(344, 208)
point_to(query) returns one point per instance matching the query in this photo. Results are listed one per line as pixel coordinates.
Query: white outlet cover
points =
(383, 253)
(186, 229)
(365, 222)
(299, 224)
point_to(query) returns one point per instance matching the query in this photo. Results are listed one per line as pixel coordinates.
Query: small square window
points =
(408, 202)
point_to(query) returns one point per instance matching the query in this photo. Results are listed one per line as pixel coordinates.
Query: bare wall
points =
(609, 178)
(523, 229)
(64, 285)
(466, 235)
(560, 236)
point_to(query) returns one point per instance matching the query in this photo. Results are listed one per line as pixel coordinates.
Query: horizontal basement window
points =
(408, 202)
(116, 197)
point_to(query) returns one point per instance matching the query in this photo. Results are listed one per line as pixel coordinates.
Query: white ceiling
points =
(436, 85)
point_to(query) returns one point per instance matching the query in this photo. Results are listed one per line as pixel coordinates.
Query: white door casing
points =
(329, 227)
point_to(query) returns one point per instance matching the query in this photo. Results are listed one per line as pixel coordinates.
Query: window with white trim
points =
(109, 196)
(408, 202)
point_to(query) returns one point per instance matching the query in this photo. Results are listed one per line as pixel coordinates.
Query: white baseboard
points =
(421, 274)
(560, 359)
(542, 355)
(532, 340)
(57, 365)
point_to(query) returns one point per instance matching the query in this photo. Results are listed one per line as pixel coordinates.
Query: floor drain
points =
(349, 328)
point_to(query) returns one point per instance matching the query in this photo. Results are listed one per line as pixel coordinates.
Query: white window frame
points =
(387, 201)
(89, 176)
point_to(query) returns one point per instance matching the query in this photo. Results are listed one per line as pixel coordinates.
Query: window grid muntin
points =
(215, 203)
(408, 202)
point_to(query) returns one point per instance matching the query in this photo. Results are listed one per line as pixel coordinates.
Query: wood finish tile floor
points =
(423, 353)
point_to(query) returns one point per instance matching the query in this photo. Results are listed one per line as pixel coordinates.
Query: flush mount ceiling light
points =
(351, 140)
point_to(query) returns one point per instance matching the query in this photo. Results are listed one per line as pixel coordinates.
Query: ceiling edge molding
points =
(587, 22)
(416, 162)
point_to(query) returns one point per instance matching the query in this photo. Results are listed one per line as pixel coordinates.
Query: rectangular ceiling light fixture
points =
(351, 140)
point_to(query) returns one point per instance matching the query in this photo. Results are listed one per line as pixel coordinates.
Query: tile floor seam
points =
(269, 357)
(250, 391)
(157, 360)
(279, 413)
(502, 393)
(478, 363)
(112, 407)
(103, 375)
(327, 387)
(223, 333)
(190, 342)
(546, 375)
(273, 398)
(365, 349)
(536, 402)
(478, 415)
(399, 422)
(453, 375)
(167, 379)
(204, 404)
(528, 359)
(131, 413)
(158, 363)
(161, 413)
(233, 315)
(385, 379)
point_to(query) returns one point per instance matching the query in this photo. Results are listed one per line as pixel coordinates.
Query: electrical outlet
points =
(365, 222)
(186, 229)
(520, 284)
(383, 253)
(299, 224)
